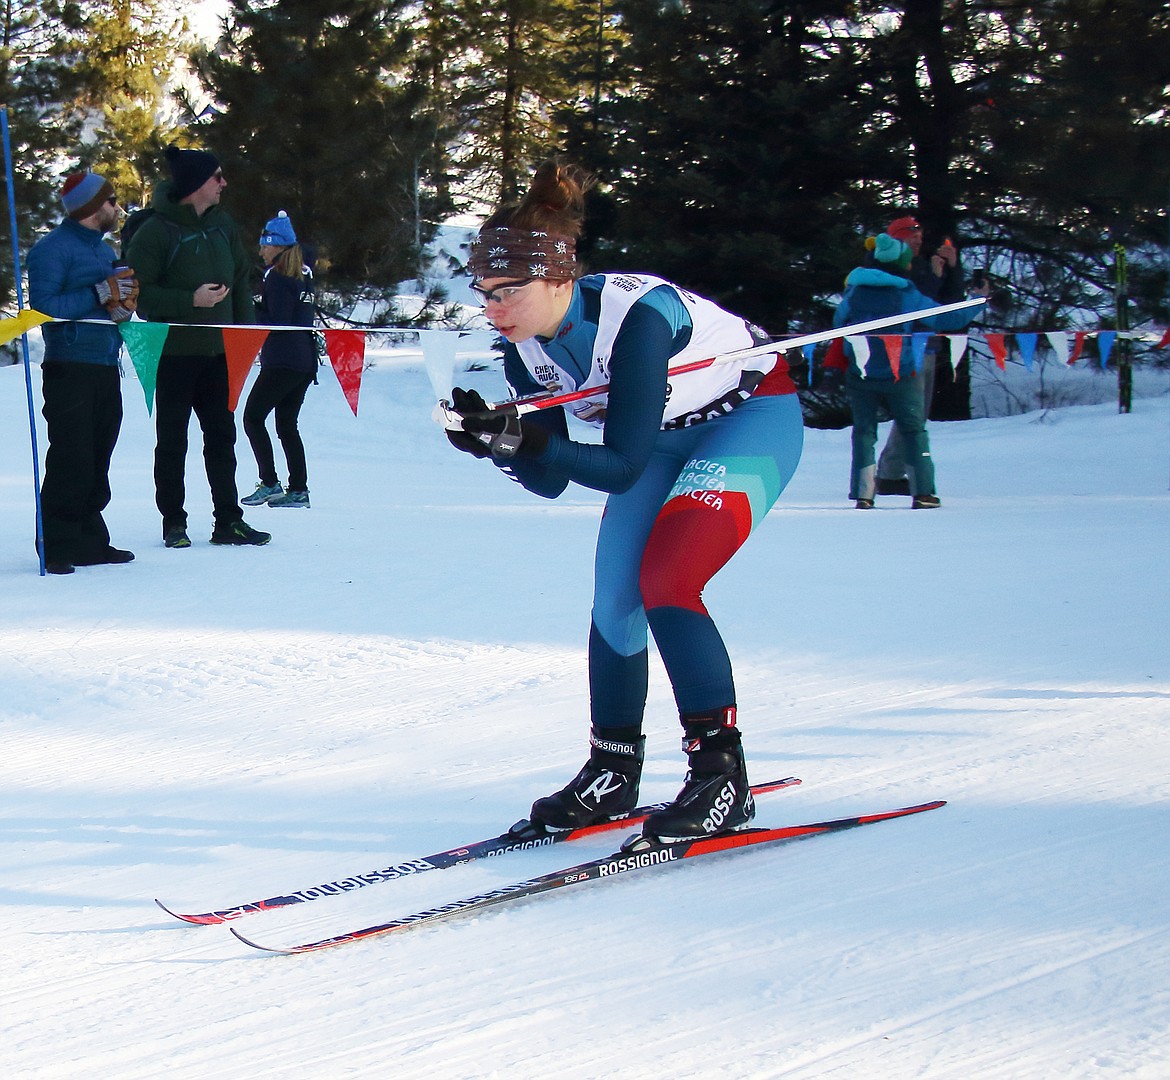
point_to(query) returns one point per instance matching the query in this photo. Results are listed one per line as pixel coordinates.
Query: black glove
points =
(499, 433)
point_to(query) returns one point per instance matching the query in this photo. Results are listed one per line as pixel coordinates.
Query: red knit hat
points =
(901, 228)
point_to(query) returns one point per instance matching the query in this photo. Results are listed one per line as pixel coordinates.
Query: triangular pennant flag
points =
(21, 323)
(918, 349)
(1165, 340)
(958, 350)
(1078, 345)
(438, 349)
(1105, 339)
(242, 346)
(893, 344)
(1059, 342)
(347, 353)
(808, 351)
(995, 342)
(860, 352)
(144, 342)
(1026, 343)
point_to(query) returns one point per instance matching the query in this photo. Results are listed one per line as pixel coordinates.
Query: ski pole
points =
(445, 415)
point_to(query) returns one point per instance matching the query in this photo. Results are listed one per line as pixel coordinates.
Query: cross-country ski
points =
(519, 838)
(639, 853)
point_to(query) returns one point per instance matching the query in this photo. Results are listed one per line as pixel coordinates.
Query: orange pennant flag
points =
(893, 344)
(1078, 345)
(242, 345)
(998, 347)
(347, 353)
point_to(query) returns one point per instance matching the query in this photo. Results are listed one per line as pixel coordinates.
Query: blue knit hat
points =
(83, 194)
(279, 232)
(888, 250)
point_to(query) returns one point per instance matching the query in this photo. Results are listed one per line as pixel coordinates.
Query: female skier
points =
(288, 364)
(691, 464)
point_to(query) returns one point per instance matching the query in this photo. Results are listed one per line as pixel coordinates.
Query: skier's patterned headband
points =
(522, 253)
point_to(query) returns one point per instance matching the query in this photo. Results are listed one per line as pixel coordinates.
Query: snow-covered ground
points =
(402, 670)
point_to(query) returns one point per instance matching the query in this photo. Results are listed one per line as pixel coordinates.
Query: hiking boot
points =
(900, 486)
(925, 502)
(176, 537)
(262, 494)
(239, 533)
(58, 566)
(291, 498)
(605, 789)
(864, 504)
(110, 556)
(715, 797)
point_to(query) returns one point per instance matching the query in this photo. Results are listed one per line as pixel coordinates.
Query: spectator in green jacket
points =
(193, 268)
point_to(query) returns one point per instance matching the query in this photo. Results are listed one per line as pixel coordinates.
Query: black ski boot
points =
(715, 797)
(604, 789)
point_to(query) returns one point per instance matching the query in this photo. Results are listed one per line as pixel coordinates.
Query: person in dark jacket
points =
(940, 277)
(194, 269)
(288, 365)
(873, 292)
(72, 276)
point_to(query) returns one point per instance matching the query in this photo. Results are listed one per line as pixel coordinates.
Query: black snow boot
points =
(606, 788)
(715, 797)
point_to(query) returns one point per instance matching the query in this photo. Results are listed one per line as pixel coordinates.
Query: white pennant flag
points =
(958, 349)
(1058, 339)
(860, 352)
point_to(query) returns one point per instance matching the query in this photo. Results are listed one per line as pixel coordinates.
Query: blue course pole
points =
(32, 418)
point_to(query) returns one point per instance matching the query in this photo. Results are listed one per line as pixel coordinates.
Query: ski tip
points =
(191, 920)
(261, 948)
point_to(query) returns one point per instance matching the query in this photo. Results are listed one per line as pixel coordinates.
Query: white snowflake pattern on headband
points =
(537, 270)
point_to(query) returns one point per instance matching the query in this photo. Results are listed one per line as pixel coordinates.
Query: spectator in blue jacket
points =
(288, 365)
(72, 276)
(873, 292)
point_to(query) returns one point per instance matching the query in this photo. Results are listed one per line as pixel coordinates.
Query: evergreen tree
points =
(730, 156)
(38, 41)
(505, 74)
(313, 119)
(128, 58)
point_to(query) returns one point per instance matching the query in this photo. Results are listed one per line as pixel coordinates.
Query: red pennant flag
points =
(1165, 340)
(893, 344)
(1078, 345)
(242, 345)
(347, 353)
(998, 347)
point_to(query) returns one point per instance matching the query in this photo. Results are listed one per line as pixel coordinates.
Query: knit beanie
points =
(888, 250)
(279, 232)
(901, 228)
(83, 193)
(190, 169)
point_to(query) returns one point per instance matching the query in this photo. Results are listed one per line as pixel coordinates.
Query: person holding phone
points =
(193, 268)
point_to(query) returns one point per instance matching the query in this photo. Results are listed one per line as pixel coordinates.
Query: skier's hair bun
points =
(554, 203)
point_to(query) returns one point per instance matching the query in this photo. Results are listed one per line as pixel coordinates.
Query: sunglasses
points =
(502, 294)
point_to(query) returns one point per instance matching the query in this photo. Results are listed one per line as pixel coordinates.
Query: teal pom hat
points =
(888, 250)
(279, 232)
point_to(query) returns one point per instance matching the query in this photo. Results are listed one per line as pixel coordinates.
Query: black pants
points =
(284, 390)
(198, 384)
(83, 411)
